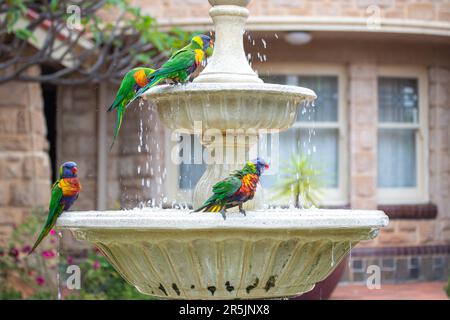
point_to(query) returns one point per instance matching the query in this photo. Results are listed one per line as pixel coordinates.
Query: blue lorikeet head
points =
(260, 165)
(205, 42)
(68, 170)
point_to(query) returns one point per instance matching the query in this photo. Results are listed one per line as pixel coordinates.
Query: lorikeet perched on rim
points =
(134, 80)
(236, 189)
(182, 63)
(65, 192)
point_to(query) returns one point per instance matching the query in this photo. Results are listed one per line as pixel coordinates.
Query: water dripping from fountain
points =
(264, 43)
(332, 254)
(58, 264)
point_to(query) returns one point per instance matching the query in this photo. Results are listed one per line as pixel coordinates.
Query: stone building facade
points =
(24, 161)
(357, 42)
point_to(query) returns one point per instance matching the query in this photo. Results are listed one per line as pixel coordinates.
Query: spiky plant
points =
(300, 180)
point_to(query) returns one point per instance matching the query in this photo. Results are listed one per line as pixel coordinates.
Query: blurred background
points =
(376, 138)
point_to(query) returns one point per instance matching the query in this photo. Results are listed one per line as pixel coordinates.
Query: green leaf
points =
(23, 34)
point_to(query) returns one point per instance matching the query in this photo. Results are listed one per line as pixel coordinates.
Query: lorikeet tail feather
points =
(120, 114)
(210, 208)
(115, 104)
(48, 226)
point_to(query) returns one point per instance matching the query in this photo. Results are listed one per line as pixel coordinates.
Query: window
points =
(402, 128)
(191, 172)
(319, 131)
(182, 178)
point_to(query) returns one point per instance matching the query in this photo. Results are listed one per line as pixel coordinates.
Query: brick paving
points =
(404, 291)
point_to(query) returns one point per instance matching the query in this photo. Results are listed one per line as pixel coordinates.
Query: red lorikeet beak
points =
(211, 44)
(266, 166)
(74, 170)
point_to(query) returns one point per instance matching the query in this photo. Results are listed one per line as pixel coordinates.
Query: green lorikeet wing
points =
(134, 80)
(55, 210)
(177, 67)
(221, 191)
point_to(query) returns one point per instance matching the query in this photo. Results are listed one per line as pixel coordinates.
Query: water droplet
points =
(332, 254)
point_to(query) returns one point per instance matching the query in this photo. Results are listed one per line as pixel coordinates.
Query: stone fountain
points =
(268, 253)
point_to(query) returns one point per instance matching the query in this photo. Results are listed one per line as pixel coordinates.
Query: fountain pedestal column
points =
(228, 63)
(227, 151)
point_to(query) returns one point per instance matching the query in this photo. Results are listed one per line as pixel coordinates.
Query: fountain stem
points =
(228, 63)
(227, 151)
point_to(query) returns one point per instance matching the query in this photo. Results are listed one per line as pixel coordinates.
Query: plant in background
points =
(34, 276)
(29, 276)
(91, 40)
(300, 181)
(99, 280)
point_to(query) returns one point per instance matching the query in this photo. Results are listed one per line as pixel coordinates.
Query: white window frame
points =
(330, 196)
(419, 194)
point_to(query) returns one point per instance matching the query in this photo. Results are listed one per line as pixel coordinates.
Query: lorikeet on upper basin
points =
(134, 80)
(182, 63)
(236, 189)
(64, 193)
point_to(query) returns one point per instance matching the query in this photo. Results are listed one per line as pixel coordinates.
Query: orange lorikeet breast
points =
(70, 186)
(249, 184)
(140, 78)
(199, 55)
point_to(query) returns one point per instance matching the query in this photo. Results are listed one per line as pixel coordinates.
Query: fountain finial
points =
(228, 62)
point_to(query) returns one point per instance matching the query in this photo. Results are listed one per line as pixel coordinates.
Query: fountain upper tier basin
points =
(272, 253)
(226, 106)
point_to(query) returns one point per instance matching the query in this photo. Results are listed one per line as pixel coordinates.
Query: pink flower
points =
(52, 232)
(40, 281)
(69, 259)
(48, 254)
(26, 249)
(96, 265)
(13, 252)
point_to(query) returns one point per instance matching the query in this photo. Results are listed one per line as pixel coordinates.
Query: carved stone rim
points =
(173, 219)
(289, 92)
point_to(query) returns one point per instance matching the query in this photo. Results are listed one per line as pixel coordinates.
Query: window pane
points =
(191, 172)
(326, 88)
(396, 158)
(326, 104)
(398, 100)
(325, 157)
(322, 147)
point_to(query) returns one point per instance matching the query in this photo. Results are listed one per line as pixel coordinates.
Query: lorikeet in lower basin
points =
(182, 63)
(236, 189)
(65, 192)
(134, 80)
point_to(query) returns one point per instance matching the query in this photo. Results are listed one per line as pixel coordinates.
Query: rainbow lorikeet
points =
(134, 80)
(64, 193)
(236, 189)
(182, 63)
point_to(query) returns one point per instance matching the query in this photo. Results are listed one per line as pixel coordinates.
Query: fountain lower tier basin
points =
(225, 106)
(266, 254)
